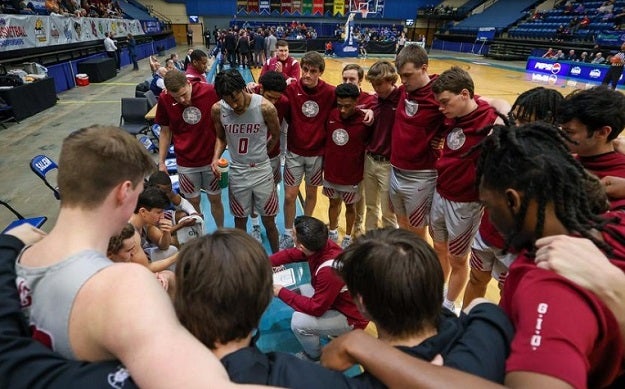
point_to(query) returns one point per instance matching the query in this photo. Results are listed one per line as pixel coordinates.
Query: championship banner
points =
(26, 31)
(317, 7)
(296, 6)
(339, 7)
(307, 7)
(286, 6)
(264, 6)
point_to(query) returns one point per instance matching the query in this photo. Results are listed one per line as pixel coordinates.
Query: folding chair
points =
(170, 162)
(132, 118)
(35, 221)
(156, 131)
(41, 165)
(152, 100)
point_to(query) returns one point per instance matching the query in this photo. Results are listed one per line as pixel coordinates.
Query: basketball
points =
(616, 59)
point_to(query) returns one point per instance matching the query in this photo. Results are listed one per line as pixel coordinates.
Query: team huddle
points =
(498, 188)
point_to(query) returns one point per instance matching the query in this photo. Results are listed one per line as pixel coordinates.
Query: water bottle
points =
(223, 166)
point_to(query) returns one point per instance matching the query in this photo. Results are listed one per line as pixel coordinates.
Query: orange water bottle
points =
(223, 166)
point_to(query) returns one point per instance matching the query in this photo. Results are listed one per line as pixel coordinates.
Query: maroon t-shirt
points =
(417, 122)
(607, 164)
(192, 127)
(456, 172)
(365, 100)
(384, 110)
(563, 330)
(307, 115)
(346, 140)
(290, 67)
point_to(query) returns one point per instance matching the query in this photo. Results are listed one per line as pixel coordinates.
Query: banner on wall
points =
(317, 7)
(25, 31)
(264, 6)
(339, 7)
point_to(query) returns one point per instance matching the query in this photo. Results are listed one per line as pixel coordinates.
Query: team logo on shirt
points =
(191, 115)
(411, 107)
(310, 109)
(456, 138)
(340, 137)
(118, 378)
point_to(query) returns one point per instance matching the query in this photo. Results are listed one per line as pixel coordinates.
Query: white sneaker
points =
(346, 242)
(334, 236)
(286, 242)
(256, 234)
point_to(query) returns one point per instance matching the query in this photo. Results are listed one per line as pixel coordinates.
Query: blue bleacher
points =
(133, 12)
(500, 15)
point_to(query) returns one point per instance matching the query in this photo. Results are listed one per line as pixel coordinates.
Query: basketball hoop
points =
(363, 8)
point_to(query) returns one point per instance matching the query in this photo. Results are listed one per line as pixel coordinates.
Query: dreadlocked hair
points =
(536, 104)
(534, 159)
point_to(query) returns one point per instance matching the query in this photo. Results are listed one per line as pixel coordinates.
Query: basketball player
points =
(310, 102)
(417, 123)
(183, 114)
(243, 121)
(456, 210)
(283, 63)
(593, 118)
(272, 86)
(382, 76)
(77, 300)
(353, 74)
(343, 165)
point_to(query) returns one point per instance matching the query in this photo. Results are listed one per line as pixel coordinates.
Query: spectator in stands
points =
(584, 57)
(154, 64)
(177, 63)
(571, 56)
(169, 64)
(606, 7)
(598, 59)
(579, 9)
(157, 85)
(585, 22)
(550, 53)
(559, 55)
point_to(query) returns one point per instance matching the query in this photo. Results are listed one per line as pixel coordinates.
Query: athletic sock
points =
(288, 232)
(255, 221)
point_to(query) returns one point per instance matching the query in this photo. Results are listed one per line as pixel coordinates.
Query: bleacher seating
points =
(133, 12)
(499, 15)
(545, 27)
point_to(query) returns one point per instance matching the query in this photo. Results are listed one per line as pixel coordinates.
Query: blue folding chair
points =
(41, 165)
(170, 162)
(156, 131)
(37, 221)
